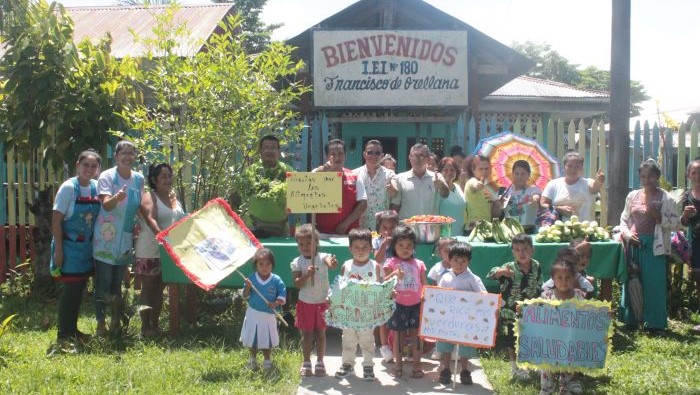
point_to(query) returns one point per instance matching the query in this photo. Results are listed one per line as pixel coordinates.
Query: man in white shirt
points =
(416, 193)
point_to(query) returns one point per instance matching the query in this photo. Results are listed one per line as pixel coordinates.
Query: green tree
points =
(58, 98)
(256, 34)
(597, 79)
(550, 65)
(210, 109)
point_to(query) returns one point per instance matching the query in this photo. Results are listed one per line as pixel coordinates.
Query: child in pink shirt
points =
(410, 273)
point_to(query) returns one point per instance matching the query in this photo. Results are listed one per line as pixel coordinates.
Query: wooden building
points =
(402, 71)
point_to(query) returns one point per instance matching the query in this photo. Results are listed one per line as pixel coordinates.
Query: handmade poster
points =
(565, 336)
(460, 317)
(359, 304)
(318, 192)
(209, 244)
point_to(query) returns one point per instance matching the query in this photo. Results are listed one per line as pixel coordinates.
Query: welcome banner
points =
(386, 68)
(359, 304)
(569, 336)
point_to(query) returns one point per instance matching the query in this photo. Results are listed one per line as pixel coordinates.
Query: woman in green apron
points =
(74, 211)
(120, 190)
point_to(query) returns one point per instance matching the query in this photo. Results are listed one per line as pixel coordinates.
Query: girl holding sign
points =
(310, 272)
(410, 273)
(563, 273)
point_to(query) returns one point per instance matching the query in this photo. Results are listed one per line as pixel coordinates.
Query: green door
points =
(396, 138)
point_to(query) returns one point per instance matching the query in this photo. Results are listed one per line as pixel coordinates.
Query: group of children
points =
(394, 252)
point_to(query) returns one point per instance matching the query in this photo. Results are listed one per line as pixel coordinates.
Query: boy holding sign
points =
(461, 278)
(362, 268)
(518, 280)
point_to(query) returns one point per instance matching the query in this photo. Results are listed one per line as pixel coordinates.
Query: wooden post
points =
(174, 308)
(191, 301)
(603, 165)
(619, 107)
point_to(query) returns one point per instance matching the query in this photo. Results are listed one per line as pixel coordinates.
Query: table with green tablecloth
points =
(607, 262)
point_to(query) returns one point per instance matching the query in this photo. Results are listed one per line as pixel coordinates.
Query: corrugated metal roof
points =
(96, 22)
(525, 86)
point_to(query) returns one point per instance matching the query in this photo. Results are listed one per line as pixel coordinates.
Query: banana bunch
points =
(496, 231)
(514, 225)
(482, 232)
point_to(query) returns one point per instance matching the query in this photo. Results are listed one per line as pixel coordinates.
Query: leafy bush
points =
(18, 282)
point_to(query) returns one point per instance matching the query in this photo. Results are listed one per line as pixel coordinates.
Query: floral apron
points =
(114, 236)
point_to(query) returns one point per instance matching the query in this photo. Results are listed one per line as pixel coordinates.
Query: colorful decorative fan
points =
(505, 148)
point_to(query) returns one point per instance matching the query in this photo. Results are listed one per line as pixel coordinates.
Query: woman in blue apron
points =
(74, 211)
(120, 190)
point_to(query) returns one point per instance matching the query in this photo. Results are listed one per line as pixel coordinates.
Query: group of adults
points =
(94, 221)
(459, 187)
(96, 224)
(455, 187)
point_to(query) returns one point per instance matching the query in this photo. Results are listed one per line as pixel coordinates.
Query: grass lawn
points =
(640, 363)
(207, 359)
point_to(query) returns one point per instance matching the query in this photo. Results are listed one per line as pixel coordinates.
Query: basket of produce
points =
(429, 228)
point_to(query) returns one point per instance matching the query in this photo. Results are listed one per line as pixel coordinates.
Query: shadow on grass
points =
(223, 338)
(595, 385)
(624, 339)
(217, 376)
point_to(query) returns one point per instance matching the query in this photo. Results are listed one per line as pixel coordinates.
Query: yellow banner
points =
(209, 244)
(319, 192)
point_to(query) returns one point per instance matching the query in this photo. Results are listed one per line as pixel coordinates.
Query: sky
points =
(663, 36)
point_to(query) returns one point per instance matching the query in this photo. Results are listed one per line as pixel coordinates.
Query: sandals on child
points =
(320, 369)
(305, 370)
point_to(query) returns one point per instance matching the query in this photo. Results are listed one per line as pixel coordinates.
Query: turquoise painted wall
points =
(396, 139)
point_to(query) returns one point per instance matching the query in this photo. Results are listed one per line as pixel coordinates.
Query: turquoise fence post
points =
(655, 142)
(325, 134)
(471, 139)
(316, 142)
(647, 141)
(668, 156)
(459, 132)
(636, 156)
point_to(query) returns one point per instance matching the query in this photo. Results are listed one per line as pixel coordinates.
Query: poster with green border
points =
(564, 336)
